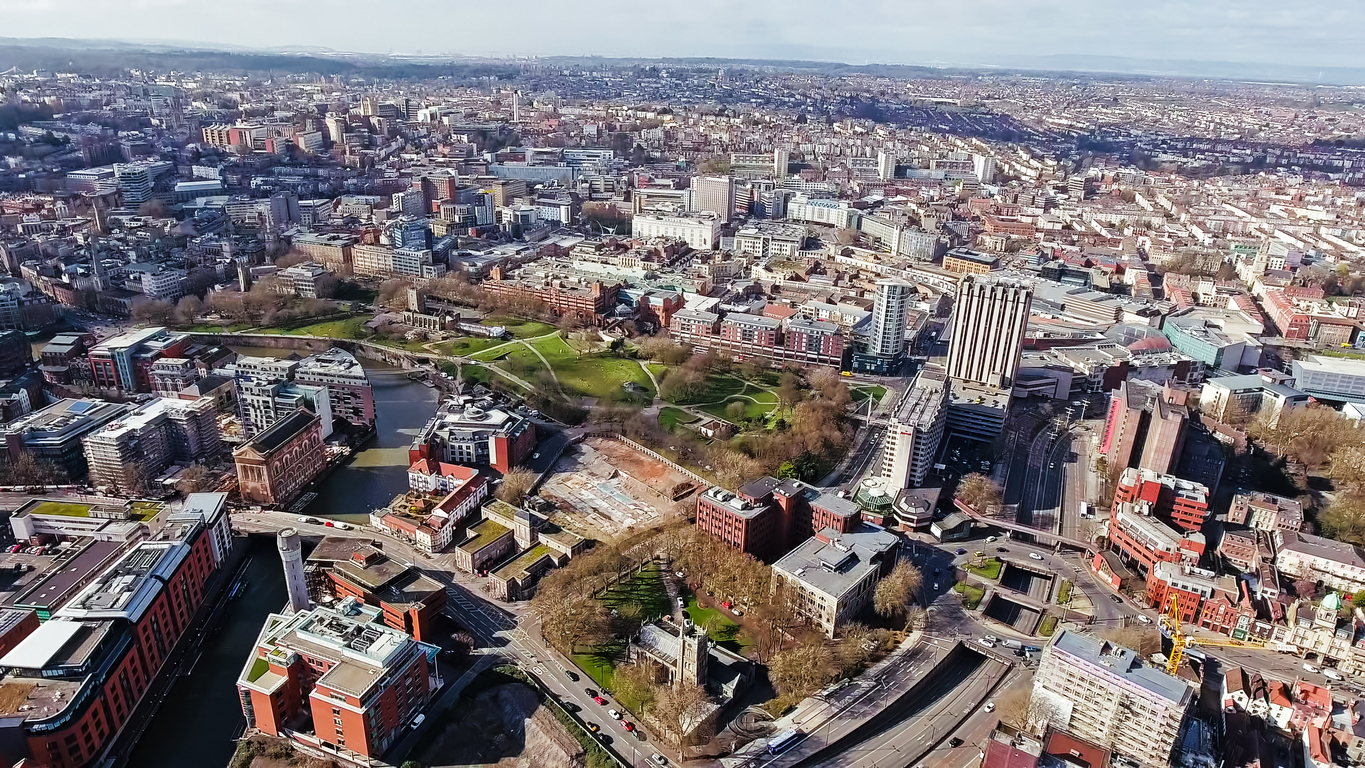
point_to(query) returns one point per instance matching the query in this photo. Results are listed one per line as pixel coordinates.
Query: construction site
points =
(603, 486)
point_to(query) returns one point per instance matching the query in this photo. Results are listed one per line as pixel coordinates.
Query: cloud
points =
(895, 31)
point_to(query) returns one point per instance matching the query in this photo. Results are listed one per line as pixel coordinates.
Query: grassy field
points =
(349, 328)
(1048, 626)
(989, 569)
(641, 595)
(718, 626)
(1064, 593)
(62, 508)
(467, 346)
(761, 404)
(671, 418)
(862, 393)
(971, 596)
(520, 329)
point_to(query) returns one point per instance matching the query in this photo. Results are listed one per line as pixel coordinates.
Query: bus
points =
(784, 741)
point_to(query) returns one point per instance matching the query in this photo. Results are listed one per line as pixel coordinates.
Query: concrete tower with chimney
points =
(291, 553)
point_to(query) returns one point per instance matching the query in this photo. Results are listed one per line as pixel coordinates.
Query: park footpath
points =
(832, 703)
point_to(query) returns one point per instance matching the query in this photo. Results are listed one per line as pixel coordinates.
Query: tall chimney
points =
(292, 556)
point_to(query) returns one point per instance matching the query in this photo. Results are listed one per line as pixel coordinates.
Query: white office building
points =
(889, 310)
(699, 230)
(915, 431)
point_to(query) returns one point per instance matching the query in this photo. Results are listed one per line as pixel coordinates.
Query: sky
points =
(947, 32)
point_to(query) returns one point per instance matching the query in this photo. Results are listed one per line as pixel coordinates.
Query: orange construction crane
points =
(1170, 621)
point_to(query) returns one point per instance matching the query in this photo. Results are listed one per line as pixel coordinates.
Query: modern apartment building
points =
(263, 402)
(832, 575)
(916, 429)
(1145, 426)
(348, 388)
(770, 240)
(126, 455)
(1330, 378)
(470, 433)
(989, 319)
(85, 670)
(275, 465)
(362, 682)
(53, 434)
(889, 310)
(125, 362)
(1236, 400)
(1105, 693)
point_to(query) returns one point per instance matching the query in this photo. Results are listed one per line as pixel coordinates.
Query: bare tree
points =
(188, 309)
(895, 593)
(684, 712)
(516, 485)
(979, 492)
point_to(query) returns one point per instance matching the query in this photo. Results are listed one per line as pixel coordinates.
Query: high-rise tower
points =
(990, 316)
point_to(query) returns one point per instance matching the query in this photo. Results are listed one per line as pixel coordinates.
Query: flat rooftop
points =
(1103, 657)
(128, 587)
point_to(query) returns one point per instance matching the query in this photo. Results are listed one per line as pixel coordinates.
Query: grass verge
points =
(971, 596)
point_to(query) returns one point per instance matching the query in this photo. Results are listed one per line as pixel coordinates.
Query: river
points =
(196, 723)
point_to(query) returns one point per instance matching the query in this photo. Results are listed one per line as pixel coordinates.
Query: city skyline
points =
(1028, 34)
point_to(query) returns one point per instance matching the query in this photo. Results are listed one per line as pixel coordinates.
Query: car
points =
(1332, 674)
(593, 727)
(1144, 619)
(614, 714)
(1001, 549)
(1034, 556)
(954, 742)
(14, 548)
(603, 737)
(416, 721)
(990, 539)
(936, 586)
(570, 706)
(40, 551)
(682, 603)
(344, 526)
(985, 642)
(992, 638)
(961, 551)
(990, 706)
(1310, 668)
(329, 524)
(626, 724)
(303, 518)
(592, 694)
(572, 675)
(679, 574)
(1116, 599)
(660, 759)
(600, 700)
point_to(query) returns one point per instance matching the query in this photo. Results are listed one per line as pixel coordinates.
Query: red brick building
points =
(408, 600)
(767, 517)
(88, 667)
(277, 464)
(1185, 502)
(1141, 541)
(360, 682)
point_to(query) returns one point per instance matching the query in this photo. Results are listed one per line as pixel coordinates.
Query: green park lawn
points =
(863, 393)
(349, 328)
(641, 595)
(989, 569)
(520, 329)
(671, 418)
(468, 346)
(718, 626)
(761, 404)
(971, 596)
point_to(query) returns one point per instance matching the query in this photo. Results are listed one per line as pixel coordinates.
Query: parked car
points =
(1034, 556)
(626, 724)
(593, 727)
(592, 694)
(660, 759)
(1310, 668)
(990, 706)
(1116, 599)
(1332, 674)
(572, 675)
(954, 742)
(961, 551)
(614, 714)
(600, 700)
(416, 721)
(990, 539)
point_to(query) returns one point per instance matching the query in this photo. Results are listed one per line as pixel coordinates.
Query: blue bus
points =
(784, 741)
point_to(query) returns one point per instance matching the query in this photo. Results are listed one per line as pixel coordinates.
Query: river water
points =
(201, 714)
